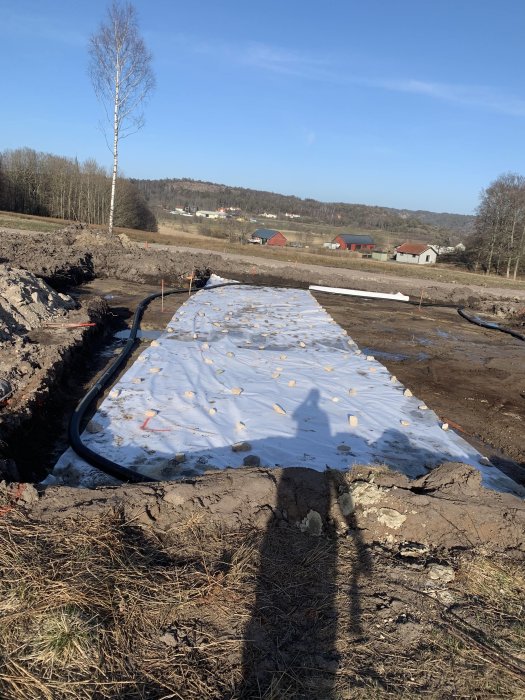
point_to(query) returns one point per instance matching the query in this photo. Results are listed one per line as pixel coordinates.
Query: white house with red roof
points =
(416, 253)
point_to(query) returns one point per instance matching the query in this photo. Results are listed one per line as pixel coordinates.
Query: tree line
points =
(171, 193)
(49, 185)
(497, 245)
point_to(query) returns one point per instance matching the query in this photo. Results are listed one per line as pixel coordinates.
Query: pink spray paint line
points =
(145, 426)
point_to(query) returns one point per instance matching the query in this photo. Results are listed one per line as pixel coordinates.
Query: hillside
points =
(170, 193)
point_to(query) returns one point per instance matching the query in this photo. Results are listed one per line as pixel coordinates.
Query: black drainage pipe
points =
(97, 460)
(487, 324)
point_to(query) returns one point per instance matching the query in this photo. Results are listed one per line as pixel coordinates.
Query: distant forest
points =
(170, 193)
(50, 185)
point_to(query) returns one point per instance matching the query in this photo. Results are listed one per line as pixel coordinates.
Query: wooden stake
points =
(191, 282)
(162, 296)
(420, 300)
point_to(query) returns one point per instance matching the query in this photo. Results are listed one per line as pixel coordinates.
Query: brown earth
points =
(265, 583)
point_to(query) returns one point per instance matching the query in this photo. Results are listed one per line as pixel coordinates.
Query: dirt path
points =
(362, 279)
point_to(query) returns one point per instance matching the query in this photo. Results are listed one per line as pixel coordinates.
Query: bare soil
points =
(267, 584)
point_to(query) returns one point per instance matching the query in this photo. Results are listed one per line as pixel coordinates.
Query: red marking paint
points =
(145, 426)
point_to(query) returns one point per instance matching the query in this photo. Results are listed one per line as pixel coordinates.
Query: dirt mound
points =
(26, 302)
(39, 332)
(389, 508)
(78, 254)
(256, 583)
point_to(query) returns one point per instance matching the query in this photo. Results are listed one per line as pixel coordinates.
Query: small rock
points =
(346, 504)
(444, 426)
(413, 550)
(169, 639)
(236, 391)
(312, 523)
(251, 461)
(441, 573)
(353, 421)
(407, 392)
(241, 447)
(405, 423)
(279, 409)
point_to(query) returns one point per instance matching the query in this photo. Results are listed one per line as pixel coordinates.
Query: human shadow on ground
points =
(291, 647)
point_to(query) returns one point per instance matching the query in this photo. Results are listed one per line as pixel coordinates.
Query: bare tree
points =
(120, 69)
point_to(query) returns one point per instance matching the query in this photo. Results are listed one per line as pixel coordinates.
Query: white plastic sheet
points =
(269, 368)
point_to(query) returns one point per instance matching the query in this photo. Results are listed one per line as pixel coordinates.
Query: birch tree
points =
(122, 77)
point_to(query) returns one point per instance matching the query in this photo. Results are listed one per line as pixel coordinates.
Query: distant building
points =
(380, 255)
(448, 249)
(210, 214)
(293, 216)
(354, 241)
(269, 216)
(416, 253)
(331, 246)
(267, 236)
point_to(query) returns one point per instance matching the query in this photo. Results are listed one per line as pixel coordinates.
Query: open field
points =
(186, 235)
(174, 235)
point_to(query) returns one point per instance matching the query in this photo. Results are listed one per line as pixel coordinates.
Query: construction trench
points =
(401, 424)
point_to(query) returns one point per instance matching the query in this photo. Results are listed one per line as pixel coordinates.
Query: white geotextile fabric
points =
(271, 368)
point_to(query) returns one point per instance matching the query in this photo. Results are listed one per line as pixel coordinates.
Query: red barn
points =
(268, 236)
(354, 241)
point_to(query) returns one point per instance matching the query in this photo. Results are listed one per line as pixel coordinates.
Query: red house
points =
(354, 241)
(268, 236)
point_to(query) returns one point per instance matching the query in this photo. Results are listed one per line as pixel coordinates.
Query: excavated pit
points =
(472, 377)
(288, 583)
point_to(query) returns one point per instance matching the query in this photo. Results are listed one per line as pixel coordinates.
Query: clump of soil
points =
(26, 302)
(264, 584)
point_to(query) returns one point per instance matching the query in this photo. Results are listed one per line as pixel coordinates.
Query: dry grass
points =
(102, 608)
(323, 258)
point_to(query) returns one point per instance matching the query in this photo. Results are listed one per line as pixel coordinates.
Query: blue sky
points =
(403, 103)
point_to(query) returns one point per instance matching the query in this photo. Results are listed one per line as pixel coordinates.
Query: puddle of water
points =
(395, 356)
(146, 335)
(384, 355)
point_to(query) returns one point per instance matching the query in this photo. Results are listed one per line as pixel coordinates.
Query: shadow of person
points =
(291, 647)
